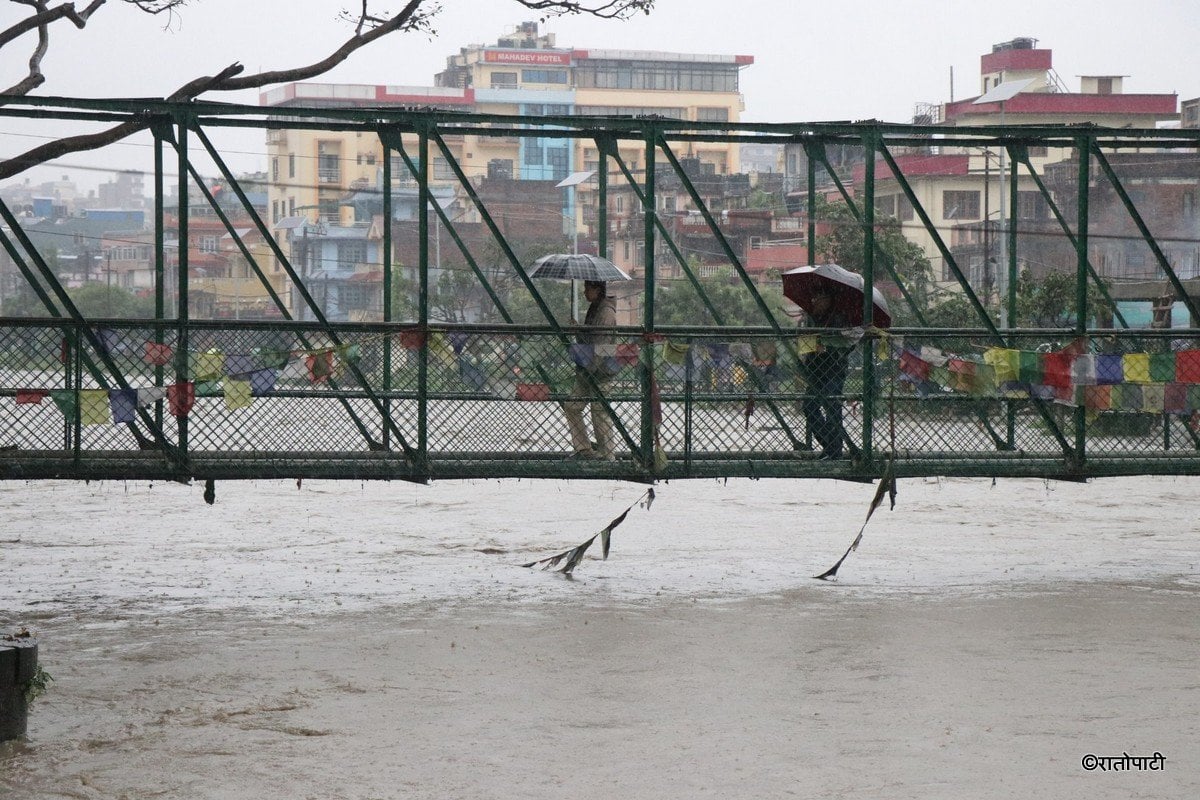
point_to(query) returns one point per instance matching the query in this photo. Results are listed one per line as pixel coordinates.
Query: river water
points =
(380, 640)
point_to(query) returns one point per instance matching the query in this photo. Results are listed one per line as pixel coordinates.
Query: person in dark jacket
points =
(825, 373)
(601, 313)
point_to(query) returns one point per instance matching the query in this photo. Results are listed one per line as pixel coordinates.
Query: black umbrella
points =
(846, 287)
(576, 267)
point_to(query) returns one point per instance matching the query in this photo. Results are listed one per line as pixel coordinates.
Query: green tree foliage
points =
(678, 303)
(96, 300)
(1049, 302)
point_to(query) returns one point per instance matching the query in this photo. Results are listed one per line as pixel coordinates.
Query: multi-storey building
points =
(962, 189)
(314, 174)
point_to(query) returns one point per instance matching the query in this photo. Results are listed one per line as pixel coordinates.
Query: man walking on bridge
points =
(601, 313)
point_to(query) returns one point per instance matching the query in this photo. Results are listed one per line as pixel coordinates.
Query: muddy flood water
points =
(381, 640)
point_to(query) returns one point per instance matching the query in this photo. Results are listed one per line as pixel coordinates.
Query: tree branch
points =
(369, 28)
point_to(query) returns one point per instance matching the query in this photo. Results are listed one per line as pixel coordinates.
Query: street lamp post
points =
(1000, 94)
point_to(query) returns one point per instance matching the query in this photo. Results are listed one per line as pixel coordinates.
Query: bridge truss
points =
(404, 386)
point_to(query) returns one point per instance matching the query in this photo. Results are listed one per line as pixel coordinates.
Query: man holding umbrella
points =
(833, 297)
(825, 372)
(601, 313)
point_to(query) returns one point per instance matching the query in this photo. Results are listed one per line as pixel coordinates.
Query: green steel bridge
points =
(410, 395)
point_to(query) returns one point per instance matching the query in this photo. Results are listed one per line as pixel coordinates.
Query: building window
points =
(1031, 205)
(208, 244)
(291, 206)
(543, 76)
(557, 158)
(275, 211)
(1189, 204)
(328, 209)
(441, 169)
(904, 209)
(291, 165)
(533, 154)
(619, 207)
(960, 204)
(712, 114)
(504, 80)
(756, 242)
(275, 169)
(351, 254)
(886, 204)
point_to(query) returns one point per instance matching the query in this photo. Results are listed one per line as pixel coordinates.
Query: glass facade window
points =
(959, 204)
(712, 114)
(546, 109)
(543, 76)
(656, 75)
(631, 111)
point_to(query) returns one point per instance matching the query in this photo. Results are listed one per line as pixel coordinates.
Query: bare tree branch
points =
(369, 27)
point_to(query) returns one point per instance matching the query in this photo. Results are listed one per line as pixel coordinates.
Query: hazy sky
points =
(813, 61)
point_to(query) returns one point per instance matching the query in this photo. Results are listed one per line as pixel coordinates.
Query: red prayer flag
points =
(627, 353)
(320, 366)
(412, 340)
(181, 397)
(158, 354)
(533, 391)
(31, 396)
(1187, 366)
(911, 364)
(1056, 369)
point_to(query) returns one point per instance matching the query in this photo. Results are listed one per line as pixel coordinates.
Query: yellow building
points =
(522, 74)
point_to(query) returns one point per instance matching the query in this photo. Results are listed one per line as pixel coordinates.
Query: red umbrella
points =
(846, 287)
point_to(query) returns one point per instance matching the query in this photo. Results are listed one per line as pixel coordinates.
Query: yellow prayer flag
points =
(94, 408)
(439, 348)
(209, 366)
(675, 352)
(237, 393)
(1007, 363)
(1136, 367)
(807, 343)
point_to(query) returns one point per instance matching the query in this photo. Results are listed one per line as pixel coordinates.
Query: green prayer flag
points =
(1031, 367)
(1162, 367)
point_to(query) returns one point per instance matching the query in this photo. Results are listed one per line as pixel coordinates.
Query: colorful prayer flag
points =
(237, 393)
(1056, 369)
(1175, 398)
(150, 395)
(31, 396)
(159, 354)
(181, 397)
(1153, 397)
(262, 381)
(123, 404)
(320, 366)
(1109, 369)
(1030, 370)
(1187, 366)
(1083, 370)
(913, 365)
(237, 364)
(93, 407)
(1162, 367)
(208, 366)
(1005, 362)
(675, 352)
(65, 400)
(1136, 367)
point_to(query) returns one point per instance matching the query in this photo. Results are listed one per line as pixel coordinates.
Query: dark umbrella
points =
(846, 287)
(576, 267)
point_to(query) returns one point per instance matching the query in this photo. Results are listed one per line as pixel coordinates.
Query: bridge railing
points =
(386, 324)
(120, 398)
